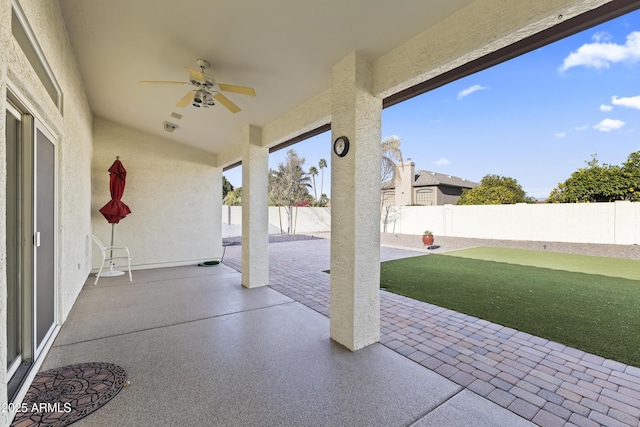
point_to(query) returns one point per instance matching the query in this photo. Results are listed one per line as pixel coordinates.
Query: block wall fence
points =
(612, 223)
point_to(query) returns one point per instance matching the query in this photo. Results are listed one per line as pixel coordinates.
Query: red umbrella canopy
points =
(115, 209)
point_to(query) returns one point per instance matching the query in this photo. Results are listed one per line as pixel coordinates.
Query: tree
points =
(322, 164)
(495, 190)
(289, 184)
(313, 172)
(234, 197)
(322, 202)
(226, 187)
(391, 154)
(389, 215)
(596, 183)
(631, 176)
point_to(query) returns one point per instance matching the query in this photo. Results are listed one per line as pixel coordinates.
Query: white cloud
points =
(442, 162)
(601, 36)
(580, 128)
(608, 125)
(561, 135)
(470, 90)
(601, 55)
(604, 107)
(632, 102)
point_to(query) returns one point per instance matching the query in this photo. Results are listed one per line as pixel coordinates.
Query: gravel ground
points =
(445, 244)
(273, 238)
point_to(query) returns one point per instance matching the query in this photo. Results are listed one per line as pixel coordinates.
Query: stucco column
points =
(255, 209)
(355, 206)
(216, 215)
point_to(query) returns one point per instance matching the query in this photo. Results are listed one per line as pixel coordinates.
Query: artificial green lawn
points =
(614, 267)
(595, 313)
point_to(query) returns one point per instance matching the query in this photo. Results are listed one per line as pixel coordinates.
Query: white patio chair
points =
(110, 253)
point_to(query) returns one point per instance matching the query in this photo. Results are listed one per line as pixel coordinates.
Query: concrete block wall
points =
(613, 223)
(306, 220)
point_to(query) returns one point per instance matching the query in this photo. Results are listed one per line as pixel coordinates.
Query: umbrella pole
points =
(111, 255)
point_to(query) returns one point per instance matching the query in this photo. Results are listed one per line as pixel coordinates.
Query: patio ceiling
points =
(285, 49)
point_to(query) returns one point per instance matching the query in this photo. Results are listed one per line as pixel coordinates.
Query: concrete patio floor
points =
(201, 350)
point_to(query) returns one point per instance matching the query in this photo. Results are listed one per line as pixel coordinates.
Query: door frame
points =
(11, 370)
(33, 357)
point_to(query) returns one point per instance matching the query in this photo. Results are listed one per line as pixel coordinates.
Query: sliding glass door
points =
(31, 242)
(44, 247)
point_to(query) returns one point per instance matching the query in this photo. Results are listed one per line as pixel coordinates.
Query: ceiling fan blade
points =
(186, 100)
(226, 102)
(196, 75)
(146, 82)
(237, 89)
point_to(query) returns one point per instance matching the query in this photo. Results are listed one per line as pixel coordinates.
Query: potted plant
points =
(427, 238)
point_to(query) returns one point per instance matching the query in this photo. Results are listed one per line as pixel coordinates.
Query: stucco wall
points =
(73, 149)
(171, 190)
(73, 132)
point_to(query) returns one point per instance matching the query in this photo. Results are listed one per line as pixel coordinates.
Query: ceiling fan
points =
(206, 89)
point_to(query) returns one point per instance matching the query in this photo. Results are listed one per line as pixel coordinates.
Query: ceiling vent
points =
(169, 127)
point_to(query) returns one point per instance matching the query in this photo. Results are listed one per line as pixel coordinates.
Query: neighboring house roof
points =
(423, 178)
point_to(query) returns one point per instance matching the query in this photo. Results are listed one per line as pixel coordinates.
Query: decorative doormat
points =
(62, 396)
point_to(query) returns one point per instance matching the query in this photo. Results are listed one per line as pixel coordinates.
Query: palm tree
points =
(391, 155)
(288, 185)
(322, 164)
(313, 172)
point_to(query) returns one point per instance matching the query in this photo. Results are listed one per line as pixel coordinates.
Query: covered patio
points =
(71, 102)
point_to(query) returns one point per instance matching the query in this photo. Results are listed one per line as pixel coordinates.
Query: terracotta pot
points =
(427, 240)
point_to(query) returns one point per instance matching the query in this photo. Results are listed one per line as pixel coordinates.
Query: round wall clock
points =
(341, 146)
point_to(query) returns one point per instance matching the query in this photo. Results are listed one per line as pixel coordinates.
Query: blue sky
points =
(536, 118)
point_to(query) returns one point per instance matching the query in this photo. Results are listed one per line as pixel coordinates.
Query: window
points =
(27, 42)
(388, 198)
(424, 197)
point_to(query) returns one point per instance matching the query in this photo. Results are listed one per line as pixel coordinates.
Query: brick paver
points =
(543, 381)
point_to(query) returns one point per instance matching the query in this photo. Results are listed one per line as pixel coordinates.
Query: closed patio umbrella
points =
(115, 209)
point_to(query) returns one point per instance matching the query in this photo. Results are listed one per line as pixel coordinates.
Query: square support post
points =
(255, 209)
(355, 206)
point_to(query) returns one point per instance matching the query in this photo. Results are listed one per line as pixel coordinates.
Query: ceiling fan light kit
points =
(207, 89)
(202, 98)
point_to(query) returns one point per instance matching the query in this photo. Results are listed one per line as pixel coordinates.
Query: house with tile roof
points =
(422, 187)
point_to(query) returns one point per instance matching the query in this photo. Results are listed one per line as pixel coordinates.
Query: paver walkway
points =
(542, 381)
